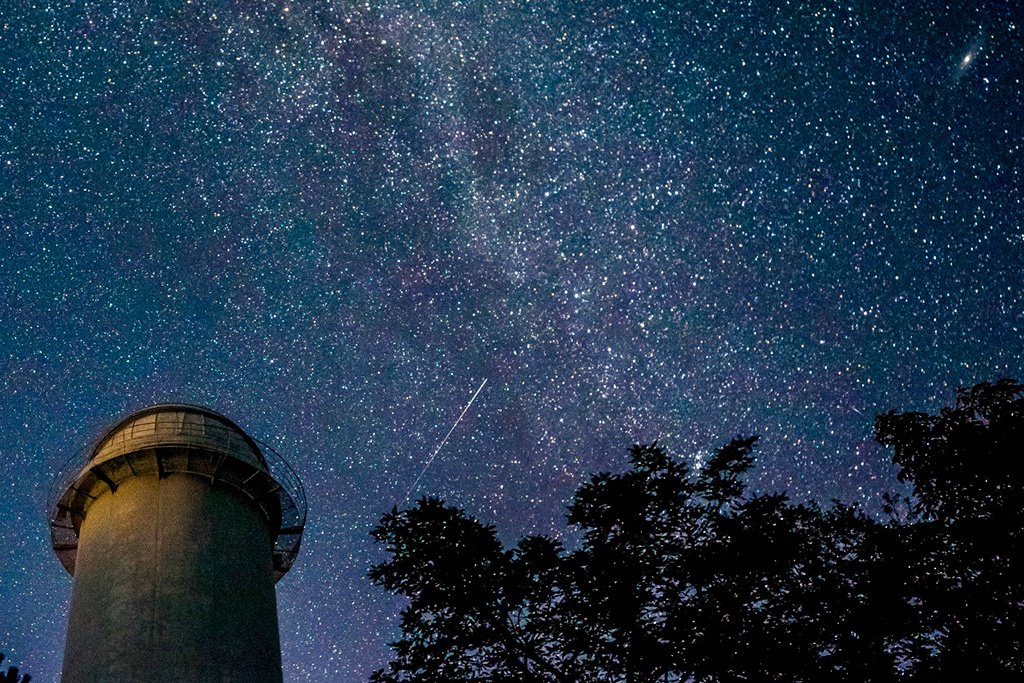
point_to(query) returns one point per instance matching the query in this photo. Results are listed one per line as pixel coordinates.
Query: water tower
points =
(176, 525)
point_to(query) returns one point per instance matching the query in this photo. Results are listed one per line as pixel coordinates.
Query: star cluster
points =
(637, 220)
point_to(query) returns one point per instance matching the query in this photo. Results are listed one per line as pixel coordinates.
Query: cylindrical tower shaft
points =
(173, 579)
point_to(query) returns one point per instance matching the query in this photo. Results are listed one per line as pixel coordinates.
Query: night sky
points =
(332, 221)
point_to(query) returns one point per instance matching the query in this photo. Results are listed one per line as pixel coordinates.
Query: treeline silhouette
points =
(681, 575)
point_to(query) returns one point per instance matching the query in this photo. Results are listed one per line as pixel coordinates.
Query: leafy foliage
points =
(682, 576)
(964, 549)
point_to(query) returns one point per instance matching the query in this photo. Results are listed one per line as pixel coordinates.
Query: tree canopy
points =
(682, 575)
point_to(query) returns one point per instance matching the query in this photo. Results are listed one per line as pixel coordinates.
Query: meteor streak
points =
(444, 441)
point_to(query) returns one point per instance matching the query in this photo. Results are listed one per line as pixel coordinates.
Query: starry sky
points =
(636, 220)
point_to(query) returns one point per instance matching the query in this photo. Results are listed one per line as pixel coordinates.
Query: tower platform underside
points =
(170, 440)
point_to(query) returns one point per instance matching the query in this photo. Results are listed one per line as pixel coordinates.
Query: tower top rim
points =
(209, 445)
(172, 406)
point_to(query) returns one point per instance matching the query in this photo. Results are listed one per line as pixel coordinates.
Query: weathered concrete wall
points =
(173, 582)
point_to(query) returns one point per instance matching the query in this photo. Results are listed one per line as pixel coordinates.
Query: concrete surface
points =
(173, 582)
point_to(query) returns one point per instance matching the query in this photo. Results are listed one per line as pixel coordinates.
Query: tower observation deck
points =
(176, 525)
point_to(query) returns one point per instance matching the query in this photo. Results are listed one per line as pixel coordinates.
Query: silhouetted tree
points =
(963, 549)
(682, 576)
(12, 675)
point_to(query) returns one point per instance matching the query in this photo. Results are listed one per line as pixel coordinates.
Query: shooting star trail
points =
(443, 442)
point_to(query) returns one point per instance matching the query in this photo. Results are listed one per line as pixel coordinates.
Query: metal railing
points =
(208, 449)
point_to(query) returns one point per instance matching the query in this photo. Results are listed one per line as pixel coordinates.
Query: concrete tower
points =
(176, 526)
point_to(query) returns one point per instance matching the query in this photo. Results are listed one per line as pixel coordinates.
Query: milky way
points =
(332, 221)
